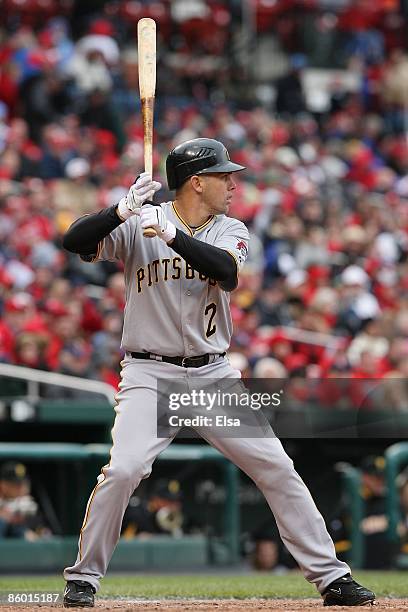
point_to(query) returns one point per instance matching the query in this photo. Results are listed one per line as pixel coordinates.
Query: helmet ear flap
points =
(170, 173)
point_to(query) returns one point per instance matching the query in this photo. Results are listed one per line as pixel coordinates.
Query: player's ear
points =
(196, 183)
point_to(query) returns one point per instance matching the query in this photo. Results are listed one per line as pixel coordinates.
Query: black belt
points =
(185, 362)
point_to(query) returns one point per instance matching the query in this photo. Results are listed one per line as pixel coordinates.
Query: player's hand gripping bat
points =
(146, 44)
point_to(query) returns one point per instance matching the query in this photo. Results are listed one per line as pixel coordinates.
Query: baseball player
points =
(177, 325)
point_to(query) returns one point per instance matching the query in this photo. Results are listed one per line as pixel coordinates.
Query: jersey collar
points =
(191, 230)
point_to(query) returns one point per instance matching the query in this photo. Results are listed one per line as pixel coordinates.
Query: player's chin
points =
(221, 208)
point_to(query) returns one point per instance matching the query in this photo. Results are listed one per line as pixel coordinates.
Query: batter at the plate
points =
(177, 324)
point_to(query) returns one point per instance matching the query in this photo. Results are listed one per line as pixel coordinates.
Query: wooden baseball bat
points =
(146, 45)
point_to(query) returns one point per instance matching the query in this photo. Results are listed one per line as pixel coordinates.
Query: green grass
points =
(211, 586)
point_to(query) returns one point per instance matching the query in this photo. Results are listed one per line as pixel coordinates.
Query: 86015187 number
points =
(29, 597)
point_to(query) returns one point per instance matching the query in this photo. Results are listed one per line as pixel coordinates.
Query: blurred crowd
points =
(325, 194)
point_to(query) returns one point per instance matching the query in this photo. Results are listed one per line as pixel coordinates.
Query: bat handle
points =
(149, 232)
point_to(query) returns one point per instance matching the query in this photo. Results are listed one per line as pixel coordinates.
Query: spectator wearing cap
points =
(296, 284)
(160, 513)
(29, 351)
(31, 332)
(268, 367)
(280, 346)
(378, 551)
(371, 340)
(58, 147)
(45, 96)
(66, 338)
(357, 304)
(90, 62)
(265, 556)
(325, 303)
(290, 97)
(355, 240)
(74, 195)
(19, 512)
(267, 552)
(19, 308)
(272, 306)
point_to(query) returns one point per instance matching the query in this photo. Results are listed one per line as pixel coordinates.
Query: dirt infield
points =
(217, 605)
(223, 605)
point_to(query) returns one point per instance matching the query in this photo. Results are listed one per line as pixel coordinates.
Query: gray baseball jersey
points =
(170, 308)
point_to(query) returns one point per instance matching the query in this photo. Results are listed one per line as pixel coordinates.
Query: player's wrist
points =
(123, 211)
(169, 233)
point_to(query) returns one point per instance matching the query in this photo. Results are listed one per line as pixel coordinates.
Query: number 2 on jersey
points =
(211, 327)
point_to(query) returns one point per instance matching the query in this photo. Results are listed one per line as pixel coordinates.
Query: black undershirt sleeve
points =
(84, 235)
(207, 259)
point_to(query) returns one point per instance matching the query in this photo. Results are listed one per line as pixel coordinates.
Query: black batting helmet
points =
(197, 156)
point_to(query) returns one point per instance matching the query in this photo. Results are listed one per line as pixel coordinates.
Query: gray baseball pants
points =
(136, 446)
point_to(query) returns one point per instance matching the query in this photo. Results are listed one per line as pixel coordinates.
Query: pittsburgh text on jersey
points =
(166, 269)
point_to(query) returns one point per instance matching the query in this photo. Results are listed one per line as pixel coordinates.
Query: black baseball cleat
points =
(79, 594)
(347, 592)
